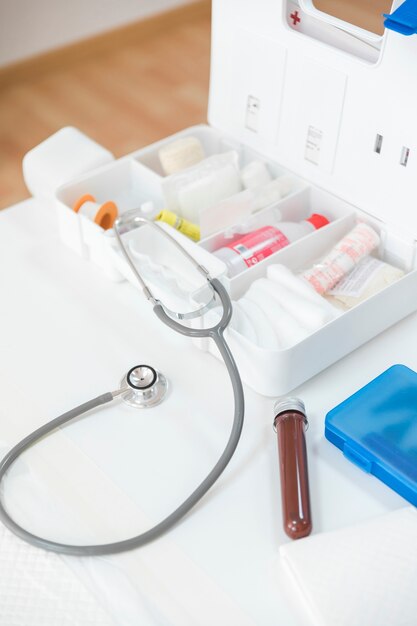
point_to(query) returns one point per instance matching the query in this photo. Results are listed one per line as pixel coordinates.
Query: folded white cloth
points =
(287, 329)
(363, 575)
(285, 278)
(266, 337)
(282, 310)
(38, 588)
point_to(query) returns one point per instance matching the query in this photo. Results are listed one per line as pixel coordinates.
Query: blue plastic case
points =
(376, 428)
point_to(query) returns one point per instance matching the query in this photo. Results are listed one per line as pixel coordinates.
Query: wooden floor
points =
(124, 98)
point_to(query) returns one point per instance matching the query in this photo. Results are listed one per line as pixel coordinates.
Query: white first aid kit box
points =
(334, 107)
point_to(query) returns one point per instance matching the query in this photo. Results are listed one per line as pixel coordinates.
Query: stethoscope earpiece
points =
(143, 387)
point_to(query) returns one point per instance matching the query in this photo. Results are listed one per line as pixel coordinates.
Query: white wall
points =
(29, 27)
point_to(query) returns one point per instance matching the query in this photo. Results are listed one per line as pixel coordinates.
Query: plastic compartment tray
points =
(137, 178)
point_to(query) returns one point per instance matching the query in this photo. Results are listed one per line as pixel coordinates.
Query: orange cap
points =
(317, 220)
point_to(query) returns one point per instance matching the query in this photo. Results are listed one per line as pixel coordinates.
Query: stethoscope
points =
(143, 387)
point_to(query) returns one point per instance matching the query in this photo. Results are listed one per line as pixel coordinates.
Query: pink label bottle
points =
(256, 246)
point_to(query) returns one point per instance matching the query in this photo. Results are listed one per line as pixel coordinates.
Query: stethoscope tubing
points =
(216, 333)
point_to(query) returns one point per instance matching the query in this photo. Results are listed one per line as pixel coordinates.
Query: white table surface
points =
(67, 334)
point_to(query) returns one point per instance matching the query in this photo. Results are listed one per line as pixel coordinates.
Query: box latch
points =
(357, 458)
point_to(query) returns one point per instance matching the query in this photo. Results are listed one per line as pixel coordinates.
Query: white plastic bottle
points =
(253, 247)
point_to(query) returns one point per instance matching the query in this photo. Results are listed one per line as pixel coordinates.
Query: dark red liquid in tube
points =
(290, 423)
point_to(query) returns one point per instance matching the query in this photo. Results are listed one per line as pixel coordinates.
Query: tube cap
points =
(289, 403)
(317, 220)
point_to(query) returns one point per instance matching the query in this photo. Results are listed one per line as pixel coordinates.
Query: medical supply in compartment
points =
(290, 424)
(279, 311)
(179, 223)
(234, 211)
(180, 154)
(264, 333)
(288, 329)
(102, 214)
(261, 243)
(363, 281)
(269, 193)
(376, 428)
(361, 575)
(301, 301)
(191, 191)
(343, 257)
(255, 174)
(289, 282)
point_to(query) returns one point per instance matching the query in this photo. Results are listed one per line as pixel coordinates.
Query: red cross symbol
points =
(295, 18)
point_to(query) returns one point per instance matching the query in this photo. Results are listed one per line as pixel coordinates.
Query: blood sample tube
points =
(290, 424)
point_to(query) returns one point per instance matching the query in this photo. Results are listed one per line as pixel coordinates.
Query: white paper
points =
(364, 575)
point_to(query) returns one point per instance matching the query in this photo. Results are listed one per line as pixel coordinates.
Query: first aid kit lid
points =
(376, 429)
(335, 105)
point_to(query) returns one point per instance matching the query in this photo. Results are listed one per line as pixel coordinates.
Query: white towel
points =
(364, 575)
(288, 330)
(37, 588)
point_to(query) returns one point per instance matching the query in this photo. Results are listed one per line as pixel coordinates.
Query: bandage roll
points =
(180, 154)
(102, 214)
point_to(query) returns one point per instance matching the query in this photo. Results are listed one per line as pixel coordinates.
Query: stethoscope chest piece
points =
(143, 387)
